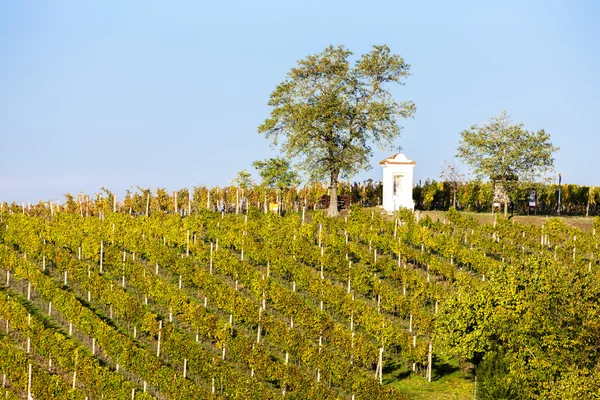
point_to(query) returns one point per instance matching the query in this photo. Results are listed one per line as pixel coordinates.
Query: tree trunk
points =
(587, 207)
(333, 203)
(278, 199)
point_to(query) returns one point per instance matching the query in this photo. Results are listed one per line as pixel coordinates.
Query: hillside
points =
(264, 306)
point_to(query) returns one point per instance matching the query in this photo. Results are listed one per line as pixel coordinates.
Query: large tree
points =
(327, 112)
(506, 153)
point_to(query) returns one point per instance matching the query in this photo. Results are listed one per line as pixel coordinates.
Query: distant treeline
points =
(478, 196)
(474, 196)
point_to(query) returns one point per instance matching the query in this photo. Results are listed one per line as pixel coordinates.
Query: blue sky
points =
(118, 94)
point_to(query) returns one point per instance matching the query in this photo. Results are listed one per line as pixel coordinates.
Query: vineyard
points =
(214, 305)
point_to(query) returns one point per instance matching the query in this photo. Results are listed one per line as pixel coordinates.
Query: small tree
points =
(451, 173)
(328, 112)
(506, 153)
(242, 181)
(276, 173)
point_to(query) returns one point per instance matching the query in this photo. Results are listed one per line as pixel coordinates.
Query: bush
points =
(493, 379)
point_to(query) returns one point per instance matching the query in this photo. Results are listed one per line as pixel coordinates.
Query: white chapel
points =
(398, 182)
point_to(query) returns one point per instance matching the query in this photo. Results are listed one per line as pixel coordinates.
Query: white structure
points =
(397, 182)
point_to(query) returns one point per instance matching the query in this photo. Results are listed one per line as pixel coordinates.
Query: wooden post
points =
(320, 231)
(381, 365)
(187, 244)
(258, 329)
(159, 332)
(429, 362)
(211, 258)
(147, 203)
(101, 255)
(184, 368)
(29, 383)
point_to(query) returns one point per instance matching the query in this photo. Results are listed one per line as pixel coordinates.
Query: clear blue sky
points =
(170, 94)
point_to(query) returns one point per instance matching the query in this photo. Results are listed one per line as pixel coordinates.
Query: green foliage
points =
(503, 150)
(276, 173)
(519, 302)
(243, 180)
(494, 381)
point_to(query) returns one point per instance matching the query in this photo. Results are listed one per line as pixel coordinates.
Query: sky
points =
(120, 94)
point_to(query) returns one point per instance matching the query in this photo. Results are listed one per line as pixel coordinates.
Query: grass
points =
(583, 223)
(448, 381)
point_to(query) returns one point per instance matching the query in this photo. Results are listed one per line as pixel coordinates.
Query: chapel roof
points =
(398, 158)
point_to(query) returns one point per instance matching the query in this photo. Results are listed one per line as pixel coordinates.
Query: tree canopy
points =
(532, 323)
(326, 113)
(243, 180)
(505, 152)
(276, 173)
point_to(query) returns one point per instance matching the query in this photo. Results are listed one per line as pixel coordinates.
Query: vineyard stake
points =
(101, 255)
(29, 383)
(159, 331)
